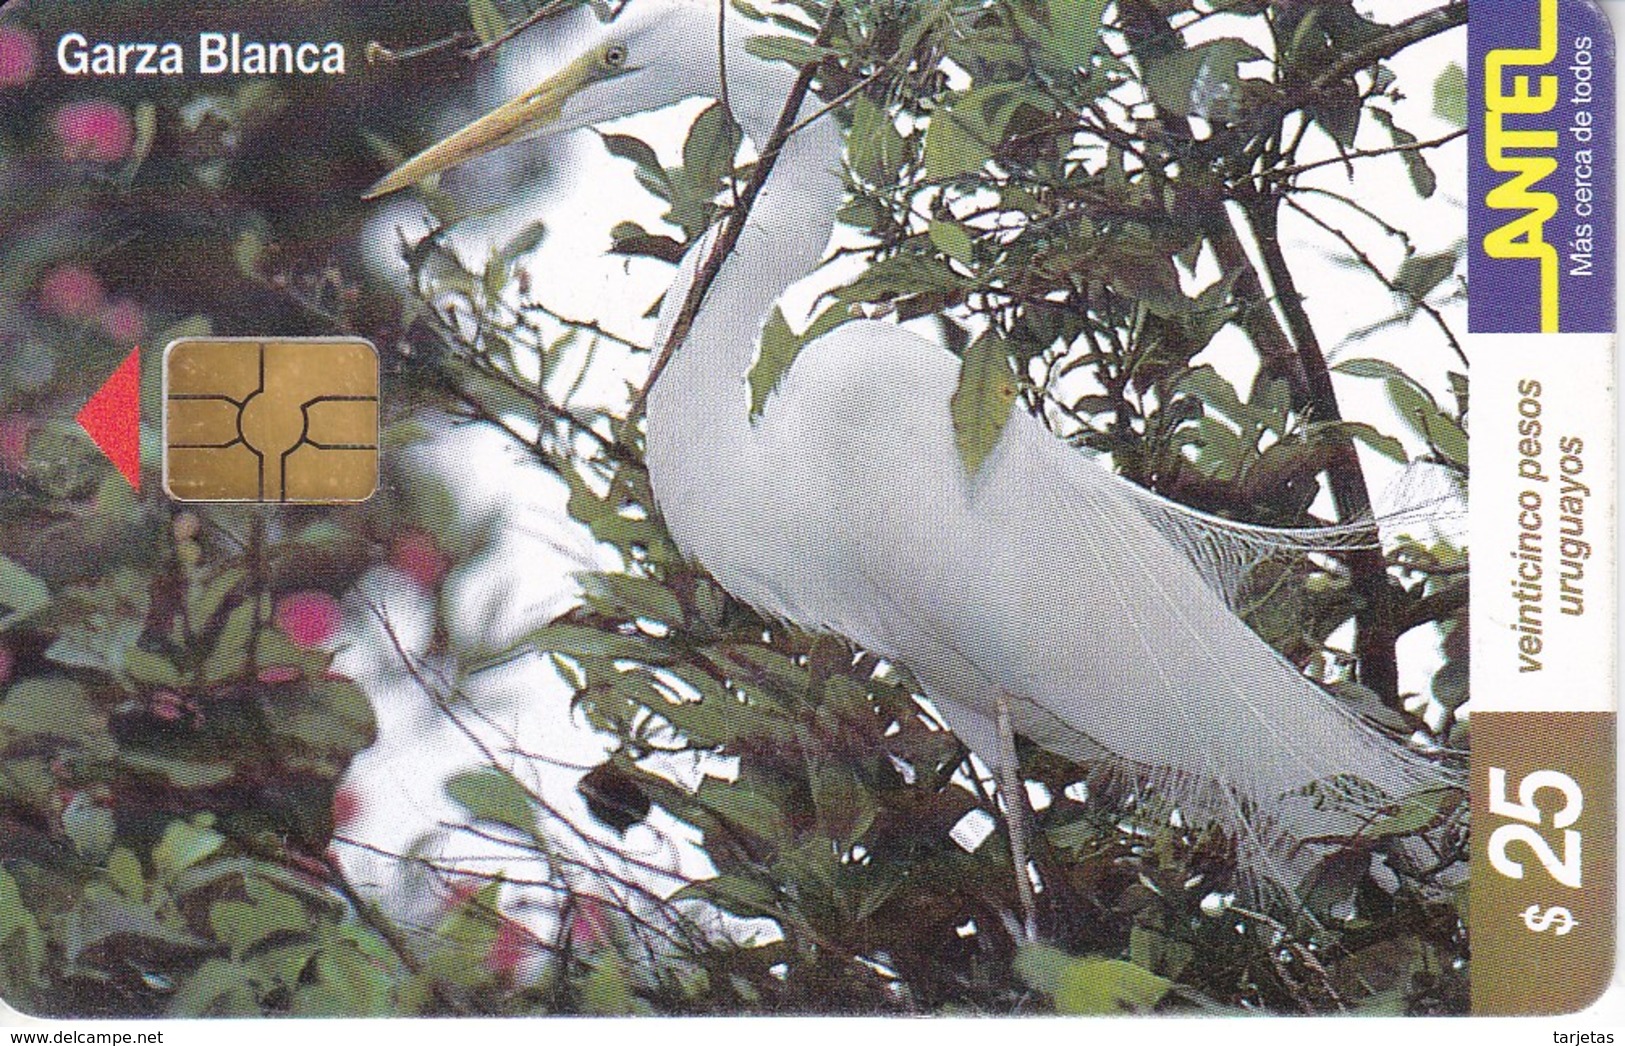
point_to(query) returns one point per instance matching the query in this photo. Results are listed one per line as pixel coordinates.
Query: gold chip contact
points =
(271, 419)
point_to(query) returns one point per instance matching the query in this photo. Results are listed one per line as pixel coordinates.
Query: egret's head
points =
(656, 53)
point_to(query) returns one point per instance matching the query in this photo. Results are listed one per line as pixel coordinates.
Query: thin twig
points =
(1361, 154)
(1371, 266)
(1387, 227)
(541, 13)
(722, 79)
(844, 97)
(369, 914)
(460, 41)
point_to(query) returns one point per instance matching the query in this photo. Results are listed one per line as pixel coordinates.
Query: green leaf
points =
(629, 596)
(1448, 438)
(779, 348)
(720, 716)
(103, 914)
(630, 238)
(846, 809)
(22, 944)
(492, 794)
(1369, 368)
(640, 153)
(1450, 95)
(607, 990)
(89, 826)
(146, 133)
(229, 657)
(738, 894)
(953, 146)
(97, 643)
(22, 595)
(149, 669)
(1388, 446)
(268, 911)
(952, 239)
(124, 872)
(486, 19)
(1420, 274)
(1173, 79)
(1416, 406)
(521, 244)
(184, 844)
(1074, 30)
(1156, 951)
(745, 809)
(50, 706)
(776, 674)
(900, 276)
(205, 600)
(348, 983)
(790, 49)
(332, 717)
(1415, 813)
(1214, 391)
(1338, 112)
(285, 963)
(1450, 683)
(217, 988)
(1090, 985)
(875, 149)
(582, 641)
(709, 149)
(182, 773)
(982, 402)
(1423, 180)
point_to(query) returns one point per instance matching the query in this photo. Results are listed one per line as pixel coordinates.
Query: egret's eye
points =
(615, 56)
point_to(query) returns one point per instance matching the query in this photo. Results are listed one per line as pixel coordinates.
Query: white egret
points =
(1043, 596)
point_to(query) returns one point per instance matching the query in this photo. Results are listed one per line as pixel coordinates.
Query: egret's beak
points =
(531, 112)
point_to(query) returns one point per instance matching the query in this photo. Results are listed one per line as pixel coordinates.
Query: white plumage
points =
(1098, 612)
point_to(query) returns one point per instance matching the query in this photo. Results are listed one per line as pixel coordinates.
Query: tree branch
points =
(1368, 569)
(1436, 606)
(1403, 35)
(369, 914)
(728, 237)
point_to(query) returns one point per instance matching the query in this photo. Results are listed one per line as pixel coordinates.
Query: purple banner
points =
(1541, 174)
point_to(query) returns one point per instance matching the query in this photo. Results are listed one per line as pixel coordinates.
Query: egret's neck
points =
(700, 403)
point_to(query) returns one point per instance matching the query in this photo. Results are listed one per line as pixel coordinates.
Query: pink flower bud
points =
(418, 557)
(96, 130)
(513, 945)
(18, 56)
(346, 807)
(15, 430)
(124, 321)
(589, 923)
(72, 292)
(308, 618)
(167, 706)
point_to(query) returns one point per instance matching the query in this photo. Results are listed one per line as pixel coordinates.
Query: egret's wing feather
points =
(1227, 727)
(1227, 552)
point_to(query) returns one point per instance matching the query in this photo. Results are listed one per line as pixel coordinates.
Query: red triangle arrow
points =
(112, 418)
